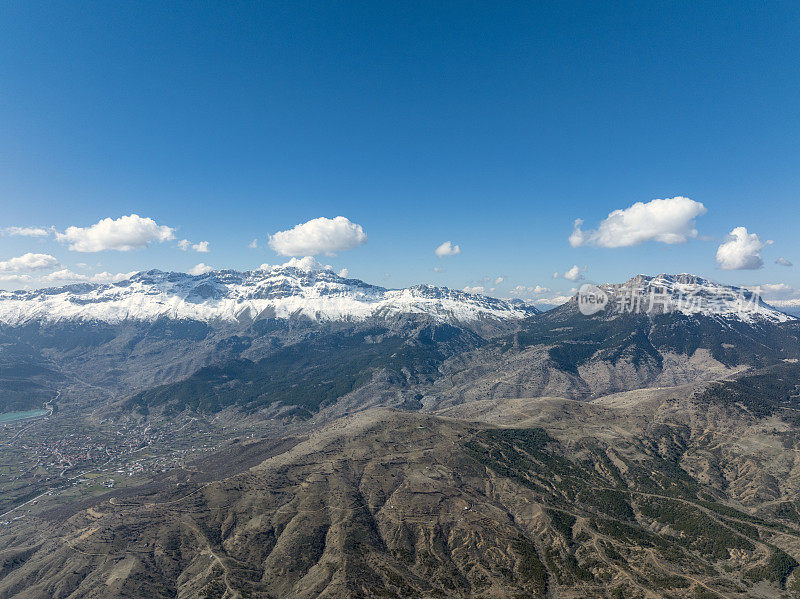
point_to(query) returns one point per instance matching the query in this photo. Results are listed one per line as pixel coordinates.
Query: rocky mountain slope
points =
(643, 494)
(653, 332)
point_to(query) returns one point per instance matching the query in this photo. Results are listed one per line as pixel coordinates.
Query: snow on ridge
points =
(293, 289)
(693, 295)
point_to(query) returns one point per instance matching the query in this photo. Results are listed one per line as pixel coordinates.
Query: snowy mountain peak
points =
(691, 295)
(299, 288)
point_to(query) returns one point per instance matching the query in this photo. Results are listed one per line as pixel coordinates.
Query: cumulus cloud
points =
(28, 261)
(476, 289)
(523, 291)
(447, 249)
(499, 280)
(253, 245)
(318, 236)
(783, 262)
(200, 269)
(8, 278)
(545, 303)
(670, 220)
(573, 274)
(64, 275)
(122, 234)
(26, 231)
(306, 264)
(775, 288)
(741, 251)
(344, 273)
(67, 275)
(107, 277)
(201, 247)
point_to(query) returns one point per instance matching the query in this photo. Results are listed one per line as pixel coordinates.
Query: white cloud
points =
(200, 269)
(66, 275)
(438, 269)
(318, 236)
(774, 288)
(26, 231)
(307, 263)
(122, 234)
(670, 220)
(107, 277)
(522, 291)
(551, 302)
(201, 247)
(741, 251)
(476, 289)
(253, 244)
(499, 280)
(573, 274)
(344, 273)
(28, 261)
(14, 278)
(783, 262)
(447, 249)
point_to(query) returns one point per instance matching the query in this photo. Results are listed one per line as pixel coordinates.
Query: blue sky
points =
(493, 126)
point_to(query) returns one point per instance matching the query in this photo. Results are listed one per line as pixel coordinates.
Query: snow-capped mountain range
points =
(690, 295)
(303, 288)
(297, 289)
